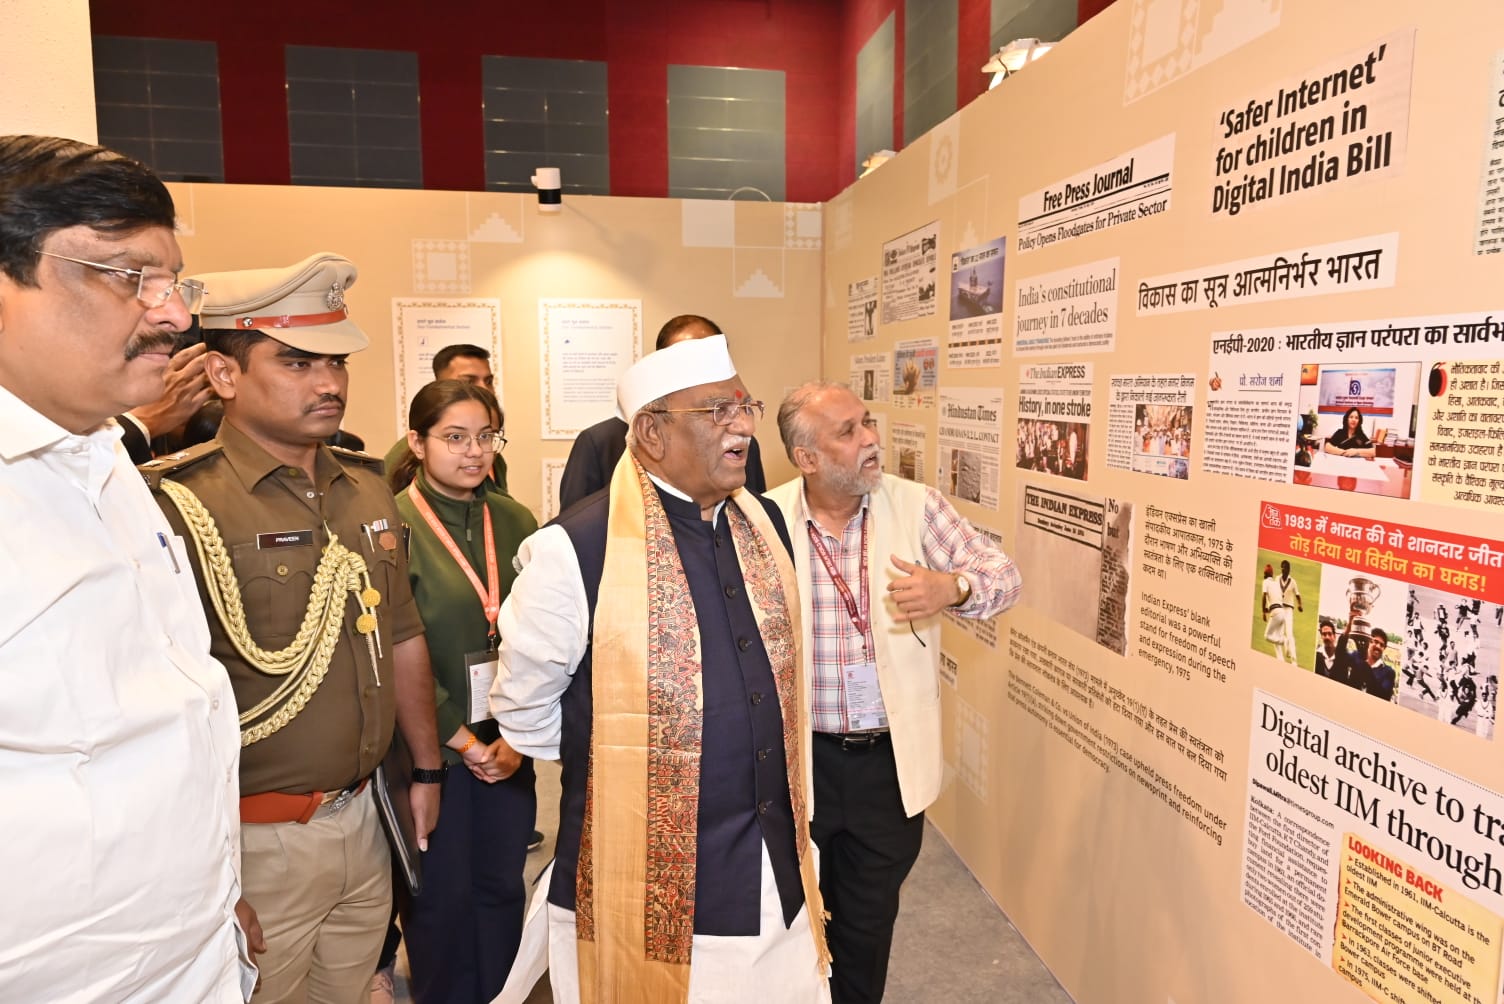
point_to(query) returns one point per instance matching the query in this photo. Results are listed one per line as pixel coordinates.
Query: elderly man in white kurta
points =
(651, 643)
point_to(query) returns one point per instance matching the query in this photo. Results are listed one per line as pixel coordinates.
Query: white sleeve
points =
(543, 637)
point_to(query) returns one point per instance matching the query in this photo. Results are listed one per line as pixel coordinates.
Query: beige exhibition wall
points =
(47, 52)
(1165, 808)
(753, 267)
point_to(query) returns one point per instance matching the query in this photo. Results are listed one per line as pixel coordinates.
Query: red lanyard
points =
(490, 594)
(857, 612)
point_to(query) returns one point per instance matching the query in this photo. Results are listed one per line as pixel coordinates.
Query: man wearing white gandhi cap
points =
(300, 566)
(684, 867)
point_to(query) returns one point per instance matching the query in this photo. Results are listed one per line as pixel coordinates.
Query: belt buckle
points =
(862, 741)
(339, 801)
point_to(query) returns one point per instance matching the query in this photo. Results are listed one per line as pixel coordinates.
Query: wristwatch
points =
(422, 775)
(964, 585)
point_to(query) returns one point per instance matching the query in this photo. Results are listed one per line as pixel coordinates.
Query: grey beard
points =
(854, 482)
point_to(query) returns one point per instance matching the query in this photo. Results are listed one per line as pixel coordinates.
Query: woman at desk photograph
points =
(1350, 440)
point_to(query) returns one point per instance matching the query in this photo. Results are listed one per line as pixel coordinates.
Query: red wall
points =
(814, 42)
(1088, 9)
(637, 40)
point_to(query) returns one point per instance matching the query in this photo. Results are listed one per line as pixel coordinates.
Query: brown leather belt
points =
(276, 807)
(854, 740)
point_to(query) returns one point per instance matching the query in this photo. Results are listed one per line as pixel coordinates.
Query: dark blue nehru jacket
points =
(744, 794)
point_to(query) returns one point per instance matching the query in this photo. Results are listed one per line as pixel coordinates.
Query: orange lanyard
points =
(490, 593)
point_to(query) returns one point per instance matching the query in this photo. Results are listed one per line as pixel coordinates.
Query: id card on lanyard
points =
(480, 667)
(863, 698)
(861, 695)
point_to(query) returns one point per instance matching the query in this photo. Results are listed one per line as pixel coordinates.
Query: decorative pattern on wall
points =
(1169, 38)
(945, 156)
(441, 267)
(495, 219)
(801, 226)
(759, 235)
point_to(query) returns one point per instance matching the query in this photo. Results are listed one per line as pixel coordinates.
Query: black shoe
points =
(535, 841)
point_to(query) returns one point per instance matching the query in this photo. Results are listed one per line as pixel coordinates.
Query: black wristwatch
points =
(421, 775)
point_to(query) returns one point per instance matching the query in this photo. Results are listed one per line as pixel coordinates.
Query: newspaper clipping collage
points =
(1262, 487)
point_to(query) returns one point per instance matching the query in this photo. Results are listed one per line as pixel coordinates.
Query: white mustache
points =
(742, 443)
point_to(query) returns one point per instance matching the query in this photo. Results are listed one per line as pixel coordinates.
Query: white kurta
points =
(119, 748)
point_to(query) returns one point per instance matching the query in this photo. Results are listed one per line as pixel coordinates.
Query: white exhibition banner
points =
(584, 347)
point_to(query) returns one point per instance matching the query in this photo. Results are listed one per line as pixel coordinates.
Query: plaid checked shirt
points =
(951, 544)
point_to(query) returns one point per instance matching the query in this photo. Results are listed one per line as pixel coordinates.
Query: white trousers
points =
(777, 964)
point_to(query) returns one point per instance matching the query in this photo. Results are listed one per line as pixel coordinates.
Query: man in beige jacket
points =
(877, 559)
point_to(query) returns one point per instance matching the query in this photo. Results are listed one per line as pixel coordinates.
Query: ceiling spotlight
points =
(876, 160)
(550, 189)
(1013, 57)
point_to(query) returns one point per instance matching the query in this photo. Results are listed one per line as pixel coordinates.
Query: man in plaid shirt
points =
(878, 559)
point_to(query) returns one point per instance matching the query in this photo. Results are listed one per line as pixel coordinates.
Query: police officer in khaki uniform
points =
(298, 552)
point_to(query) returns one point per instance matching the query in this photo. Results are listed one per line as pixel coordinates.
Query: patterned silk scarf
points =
(635, 887)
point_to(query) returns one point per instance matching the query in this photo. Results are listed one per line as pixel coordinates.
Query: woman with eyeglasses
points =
(463, 929)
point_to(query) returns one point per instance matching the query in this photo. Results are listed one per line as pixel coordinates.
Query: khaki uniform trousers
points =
(323, 893)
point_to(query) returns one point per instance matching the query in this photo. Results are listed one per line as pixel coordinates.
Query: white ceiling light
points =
(875, 161)
(1013, 57)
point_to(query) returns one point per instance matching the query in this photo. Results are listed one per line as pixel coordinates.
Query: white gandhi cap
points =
(687, 363)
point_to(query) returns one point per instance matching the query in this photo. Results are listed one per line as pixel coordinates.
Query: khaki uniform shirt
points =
(346, 727)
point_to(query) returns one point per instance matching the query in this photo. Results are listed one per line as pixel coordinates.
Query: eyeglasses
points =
(723, 413)
(154, 286)
(459, 442)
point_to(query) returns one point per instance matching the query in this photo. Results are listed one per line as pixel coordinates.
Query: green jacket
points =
(453, 618)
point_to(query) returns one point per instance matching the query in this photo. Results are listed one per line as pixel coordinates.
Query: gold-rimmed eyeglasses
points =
(154, 286)
(723, 413)
(459, 442)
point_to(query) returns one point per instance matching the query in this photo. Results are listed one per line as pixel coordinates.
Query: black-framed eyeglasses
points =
(154, 286)
(723, 413)
(459, 442)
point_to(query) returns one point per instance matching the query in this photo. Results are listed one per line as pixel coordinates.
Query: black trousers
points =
(463, 930)
(867, 847)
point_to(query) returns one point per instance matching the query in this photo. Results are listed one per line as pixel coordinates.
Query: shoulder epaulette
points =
(355, 456)
(156, 469)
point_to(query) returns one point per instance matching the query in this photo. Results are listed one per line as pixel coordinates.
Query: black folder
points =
(391, 782)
